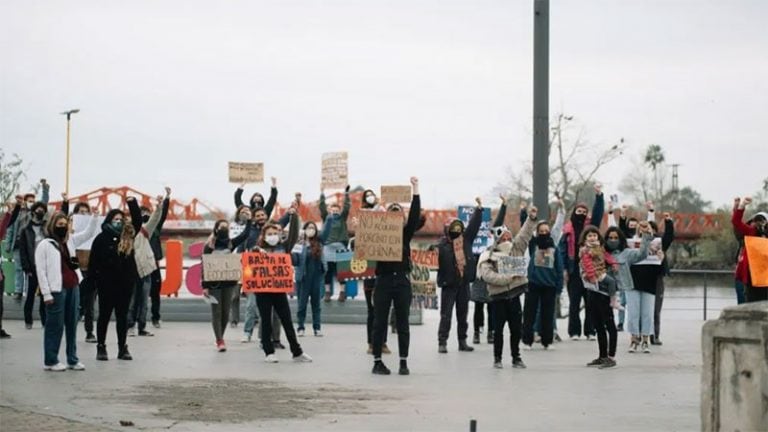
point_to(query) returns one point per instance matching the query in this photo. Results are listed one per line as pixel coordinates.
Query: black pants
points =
(539, 296)
(506, 312)
(278, 302)
(117, 299)
(29, 304)
(602, 316)
(87, 298)
(154, 294)
(392, 289)
(576, 292)
(657, 306)
(755, 294)
(450, 296)
(369, 286)
(479, 316)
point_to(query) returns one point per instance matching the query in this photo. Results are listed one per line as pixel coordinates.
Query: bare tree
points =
(11, 175)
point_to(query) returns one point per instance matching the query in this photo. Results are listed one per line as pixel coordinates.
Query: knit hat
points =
(498, 232)
(763, 215)
(453, 225)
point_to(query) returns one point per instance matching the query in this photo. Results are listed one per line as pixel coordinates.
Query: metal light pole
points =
(69, 117)
(541, 107)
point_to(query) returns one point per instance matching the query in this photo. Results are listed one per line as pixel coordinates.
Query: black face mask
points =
(454, 235)
(222, 234)
(145, 219)
(39, 215)
(578, 219)
(631, 232)
(60, 232)
(544, 241)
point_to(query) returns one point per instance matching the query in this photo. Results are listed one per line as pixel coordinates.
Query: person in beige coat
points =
(504, 269)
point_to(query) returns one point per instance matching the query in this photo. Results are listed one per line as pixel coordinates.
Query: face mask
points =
(244, 218)
(222, 234)
(504, 247)
(370, 199)
(544, 241)
(612, 245)
(272, 239)
(39, 215)
(454, 235)
(579, 219)
(117, 225)
(145, 219)
(60, 232)
(29, 205)
(310, 232)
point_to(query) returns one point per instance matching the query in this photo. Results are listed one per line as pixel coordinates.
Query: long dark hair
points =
(591, 229)
(315, 246)
(622, 237)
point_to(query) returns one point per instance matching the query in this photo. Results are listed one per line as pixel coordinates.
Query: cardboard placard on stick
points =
(335, 170)
(246, 172)
(396, 194)
(757, 254)
(267, 273)
(222, 268)
(379, 236)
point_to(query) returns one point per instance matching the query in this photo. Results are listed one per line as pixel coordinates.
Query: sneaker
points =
(442, 349)
(303, 358)
(342, 296)
(233, 324)
(498, 364)
(77, 367)
(4, 334)
(101, 353)
(246, 338)
(28, 326)
(124, 354)
(518, 364)
(590, 337)
(278, 345)
(145, 333)
(656, 341)
(536, 338)
(90, 338)
(318, 333)
(646, 348)
(271, 359)
(476, 338)
(464, 347)
(633, 347)
(548, 347)
(58, 367)
(608, 363)
(385, 349)
(327, 298)
(380, 369)
(527, 347)
(300, 333)
(596, 362)
(574, 338)
(404, 370)
(156, 323)
(221, 346)
(132, 332)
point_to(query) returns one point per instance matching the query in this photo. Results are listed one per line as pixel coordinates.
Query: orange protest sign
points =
(267, 273)
(757, 255)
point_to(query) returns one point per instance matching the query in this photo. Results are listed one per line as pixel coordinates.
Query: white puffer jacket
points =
(145, 258)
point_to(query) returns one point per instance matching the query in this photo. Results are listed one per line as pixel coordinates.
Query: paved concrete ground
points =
(171, 385)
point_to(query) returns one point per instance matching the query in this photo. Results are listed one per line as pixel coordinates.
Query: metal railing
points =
(707, 274)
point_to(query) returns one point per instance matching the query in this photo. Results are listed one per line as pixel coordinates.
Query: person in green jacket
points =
(338, 238)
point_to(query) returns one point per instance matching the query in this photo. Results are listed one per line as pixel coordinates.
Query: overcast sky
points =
(172, 90)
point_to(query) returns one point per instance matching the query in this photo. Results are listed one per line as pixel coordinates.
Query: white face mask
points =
(310, 232)
(272, 239)
(370, 199)
(30, 204)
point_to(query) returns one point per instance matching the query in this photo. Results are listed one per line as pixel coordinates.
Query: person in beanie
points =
(503, 268)
(456, 269)
(757, 226)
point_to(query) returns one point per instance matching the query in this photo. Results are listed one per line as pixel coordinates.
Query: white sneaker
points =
(590, 338)
(318, 333)
(300, 333)
(574, 338)
(633, 347)
(58, 367)
(549, 347)
(132, 332)
(77, 367)
(271, 359)
(528, 347)
(303, 358)
(246, 338)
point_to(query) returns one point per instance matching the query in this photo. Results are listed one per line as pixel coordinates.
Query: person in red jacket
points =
(9, 218)
(756, 227)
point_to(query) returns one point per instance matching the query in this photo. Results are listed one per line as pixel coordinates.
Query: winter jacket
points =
(31, 236)
(545, 267)
(414, 221)
(447, 271)
(227, 248)
(507, 285)
(15, 230)
(595, 263)
(268, 206)
(9, 218)
(626, 258)
(742, 267)
(48, 257)
(144, 255)
(304, 263)
(338, 223)
(111, 270)
(569, 241)
(154, 238)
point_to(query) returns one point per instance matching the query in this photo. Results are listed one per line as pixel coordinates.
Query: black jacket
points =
(154, 238)
(27, 248)
(230, 246)
(414, 221)
(268, 206)
(447, 273)
(107, 267)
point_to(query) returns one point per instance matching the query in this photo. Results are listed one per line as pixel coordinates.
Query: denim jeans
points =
(138, 310)
(61, 315)
(21, 277)
(623, 299)
(738, 285)
(251, 313)
(309, 289)
(640, 313)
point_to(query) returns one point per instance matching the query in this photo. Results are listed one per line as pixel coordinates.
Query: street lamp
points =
(69, 117)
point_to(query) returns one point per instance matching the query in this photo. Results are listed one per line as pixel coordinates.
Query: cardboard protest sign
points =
(222, 267)
(379, 236)
(267, 273)
(424, 258)
(423, 287)
(81, 223)
(757, 255)
(246, 172)
(511, 265)
(396, 194)
(654, 257)
(484, 237)
(335, 171)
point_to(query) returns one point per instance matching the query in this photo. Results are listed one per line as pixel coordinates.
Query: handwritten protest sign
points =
(81, 223)
(424, 258)
(267, 273)
(511, 265)
(396, 194)
(757, 254)
(484, 237)
(222, 267)
(423, 287)
(379, 237)
(246, 172)
(335, 170)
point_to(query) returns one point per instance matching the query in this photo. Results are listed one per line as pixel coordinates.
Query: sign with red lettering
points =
(267, 273)
(424, 258)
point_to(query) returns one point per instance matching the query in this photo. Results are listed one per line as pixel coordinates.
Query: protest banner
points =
(81, 223)
(246, 172)
(395, 194)
(511, 265)
(335, 174)
(267, 273)
(379, 237)
(424, 289)
(424, 258)
(757, 255)
(222, 268)
(484, 237)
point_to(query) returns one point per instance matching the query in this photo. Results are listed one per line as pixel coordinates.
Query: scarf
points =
(458, 252)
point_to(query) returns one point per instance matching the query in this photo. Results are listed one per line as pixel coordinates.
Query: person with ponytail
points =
(310, 273)
(59, 288)
(222, 291)
(113, 268)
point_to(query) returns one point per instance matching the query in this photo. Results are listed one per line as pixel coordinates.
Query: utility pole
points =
(69, 117)
(541, 107)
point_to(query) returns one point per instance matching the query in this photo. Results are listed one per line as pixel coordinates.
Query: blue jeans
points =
(21, 277)
(61, 314)
(739, 286)
(640, 313)
(311, 288)
(138, 310)
(623, 298)
(251, 313)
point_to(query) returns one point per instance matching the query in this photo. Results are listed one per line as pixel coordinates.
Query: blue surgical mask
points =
(117, 225)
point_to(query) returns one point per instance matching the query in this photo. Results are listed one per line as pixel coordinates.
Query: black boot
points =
(490, 336)
(404, 368)
(101, 352)
(464, 347)
(380, 369)
(476, 337)
(124, 354)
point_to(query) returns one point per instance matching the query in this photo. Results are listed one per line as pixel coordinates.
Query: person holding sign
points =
(503, 267)
(456, 270)
(257, 199)
(338, 237)
(370, 203)
(267, 302)
(393, 286)
(222, 291)
(756, 227)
